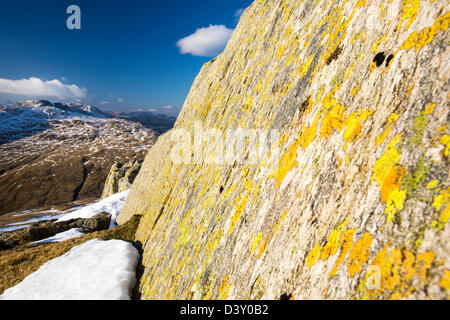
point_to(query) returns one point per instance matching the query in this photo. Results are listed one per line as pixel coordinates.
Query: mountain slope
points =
(53, 154)
(356, 204)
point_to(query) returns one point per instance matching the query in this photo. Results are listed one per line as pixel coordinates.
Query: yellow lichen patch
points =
(224, 288)
(376, 43)
(287, 162)
(334, 241)
(355, 90)
(265, 243)
(425, 36)
(359, 254)
(353, 125)
(308, 134)
(360, 3)
(256, 241)
(445, 140)
(441, 202)
(445, 280)
(432, 184)
(387, 161)
(430, 108)
(283, 217)
(301, 72)
(388, 176)
(238, 211)
(333, 120)
(312, 257)
(410, 9)
(382, 137)
(346, 245)
(423, 263)
(394, 204)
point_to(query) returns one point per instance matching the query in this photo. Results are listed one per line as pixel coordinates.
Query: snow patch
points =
(70, 234)
(95, 270)
(112, 205)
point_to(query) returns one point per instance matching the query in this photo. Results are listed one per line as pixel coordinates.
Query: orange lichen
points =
(392, 182)
(388, 176)
(359, 254)
(399, 267)
(346, 245)
(445, 280)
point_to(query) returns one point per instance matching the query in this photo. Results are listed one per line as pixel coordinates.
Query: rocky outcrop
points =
(121, 177)
(340, 187)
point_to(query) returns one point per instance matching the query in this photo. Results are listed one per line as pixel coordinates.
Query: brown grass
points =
(18, 263)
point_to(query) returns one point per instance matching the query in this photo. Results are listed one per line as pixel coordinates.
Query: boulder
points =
(121, 177)
(99, 222)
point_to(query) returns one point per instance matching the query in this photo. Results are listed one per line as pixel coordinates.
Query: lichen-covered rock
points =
(355, 97)
(121, 177)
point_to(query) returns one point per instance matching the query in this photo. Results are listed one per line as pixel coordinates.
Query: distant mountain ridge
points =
(160, 123)
(28, 117)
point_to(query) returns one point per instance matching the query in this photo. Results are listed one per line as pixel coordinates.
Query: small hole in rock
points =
(286, 296)
(221, 189)
(389, 59)
(379, 58)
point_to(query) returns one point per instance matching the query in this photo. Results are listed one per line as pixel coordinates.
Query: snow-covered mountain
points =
(28, 117)
(52, 153)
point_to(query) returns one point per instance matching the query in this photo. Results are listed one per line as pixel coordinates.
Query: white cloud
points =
(120, 100)
(36, 87)
(104, 102)
(153, 110)
(206, 42)
(168, 107)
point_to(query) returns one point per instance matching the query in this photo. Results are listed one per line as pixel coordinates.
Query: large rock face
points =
(356, 203)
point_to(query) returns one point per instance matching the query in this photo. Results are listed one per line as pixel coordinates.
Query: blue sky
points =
(124, 58)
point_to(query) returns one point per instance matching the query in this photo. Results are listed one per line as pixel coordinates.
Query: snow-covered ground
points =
(95, 270)
(112, 205)
(69, 234)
